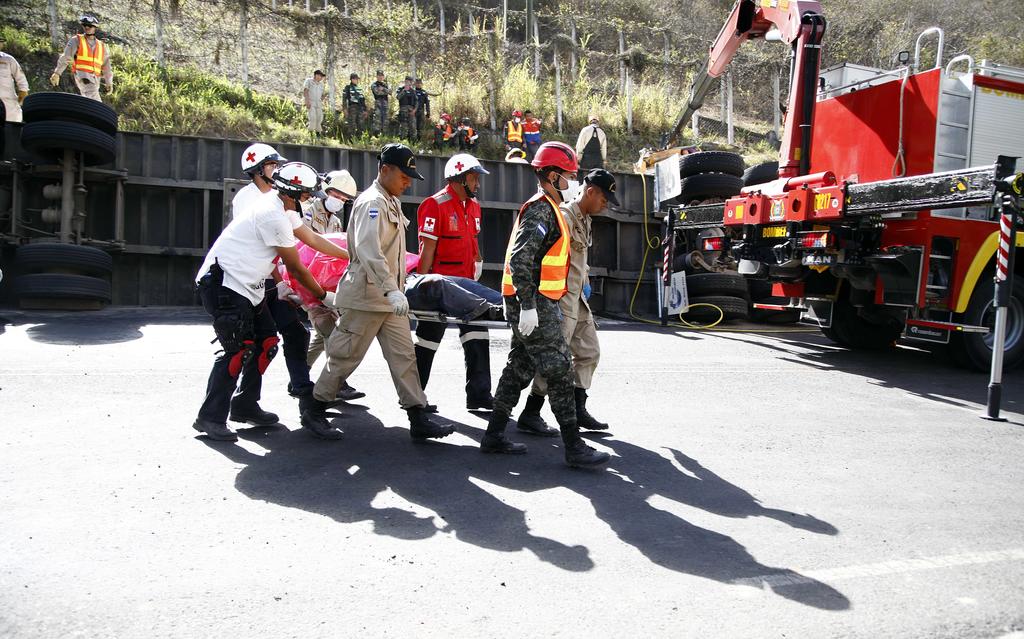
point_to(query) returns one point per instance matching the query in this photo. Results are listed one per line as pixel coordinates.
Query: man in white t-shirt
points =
(232, 283)
(259, 161)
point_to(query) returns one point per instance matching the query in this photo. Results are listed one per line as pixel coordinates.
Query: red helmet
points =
(446, 117)
(557, 154)
(517, 114)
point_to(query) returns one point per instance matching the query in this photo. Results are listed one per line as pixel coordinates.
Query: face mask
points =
(334, 204)
(569, 192)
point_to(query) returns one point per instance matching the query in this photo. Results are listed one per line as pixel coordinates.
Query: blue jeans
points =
(458, 297)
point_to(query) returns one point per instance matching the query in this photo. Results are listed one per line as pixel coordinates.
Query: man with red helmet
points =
(449, 223)
(443, 132)
(533, 281)
(514, 131)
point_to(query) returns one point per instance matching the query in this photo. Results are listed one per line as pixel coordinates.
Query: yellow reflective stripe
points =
(981, 260)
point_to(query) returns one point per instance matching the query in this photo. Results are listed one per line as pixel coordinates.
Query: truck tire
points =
(731, 284)
(61, 286)
(68, 107)
(711, 162)
(974, 350)
(49, 139)
(65, 258)
(761, 173)
(851, 330)
(732, 308)
(709, 185)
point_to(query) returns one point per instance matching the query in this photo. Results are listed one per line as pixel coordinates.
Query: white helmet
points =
(295, 178)
(343, 181)
(258, 154)
(463, 163)
(516, 156)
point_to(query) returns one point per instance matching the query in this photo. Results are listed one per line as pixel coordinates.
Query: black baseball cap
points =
(605, 181)
(353, 76)
(401, 156)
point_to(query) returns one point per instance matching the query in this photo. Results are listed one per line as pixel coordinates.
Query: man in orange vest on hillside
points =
(514, 131)
(89, 60)
(533, 281)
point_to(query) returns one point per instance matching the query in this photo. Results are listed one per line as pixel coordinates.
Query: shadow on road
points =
(112, 325)
(343, 479)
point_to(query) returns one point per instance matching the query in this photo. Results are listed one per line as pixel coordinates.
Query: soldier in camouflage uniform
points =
(380, 92)
(355, 105)
(407, 101)
(535, 275)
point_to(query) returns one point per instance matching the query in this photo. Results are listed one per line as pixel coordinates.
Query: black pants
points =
(475, 347)
(248, 338)
(294, 338)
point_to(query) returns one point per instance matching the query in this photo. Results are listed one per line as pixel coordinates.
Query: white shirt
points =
(245, 198)
(247, 247)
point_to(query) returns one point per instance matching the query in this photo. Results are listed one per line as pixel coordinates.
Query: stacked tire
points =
(714, 176)
(66, 276)
(58, 121)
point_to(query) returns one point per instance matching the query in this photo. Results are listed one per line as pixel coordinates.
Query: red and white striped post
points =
(666, 265)
(1004, 284)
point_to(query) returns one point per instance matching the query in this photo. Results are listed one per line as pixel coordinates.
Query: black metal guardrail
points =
(160, 205)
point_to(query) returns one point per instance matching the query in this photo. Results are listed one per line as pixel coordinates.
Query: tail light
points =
(815, 240)
(713, 243)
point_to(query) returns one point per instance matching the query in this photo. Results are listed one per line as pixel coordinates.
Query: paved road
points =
(763, 485)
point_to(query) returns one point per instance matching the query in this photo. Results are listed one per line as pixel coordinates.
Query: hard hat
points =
(461, 163)
(517, 114)
(557, 154)
(295, 178)
(447, 117)
(258, 154)
(516, 156)
(87, 20)
(343, 181)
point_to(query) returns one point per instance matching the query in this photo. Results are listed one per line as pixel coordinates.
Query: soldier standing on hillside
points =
(380, 92)
(355, 105)
(89, 60)
(422, 107)
(407, 101)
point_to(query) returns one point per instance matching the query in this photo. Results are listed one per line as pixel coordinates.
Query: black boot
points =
(494, 440)
(314, 418)
(530, 420)
(584, 418)
(348, 393)
(253, 415)
(579, 455)
(480, 403)
(215, 430)
(422, 427)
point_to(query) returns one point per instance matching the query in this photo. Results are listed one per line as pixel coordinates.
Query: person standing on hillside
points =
(422, 107)
(313, 99)
(592, 146)
(355, 105)
(514, 131)
(407, 101)
(381, 94)
(531, 133)
(13, 85)
(89, 60)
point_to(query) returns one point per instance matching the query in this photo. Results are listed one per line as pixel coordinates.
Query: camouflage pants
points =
(544, 352)
(380, 118)
(354, 119)
(407, 123)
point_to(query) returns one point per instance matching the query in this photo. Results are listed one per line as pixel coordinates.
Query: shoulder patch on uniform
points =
(428, 224)
(374, 213)
(441, 198)
(543, 230)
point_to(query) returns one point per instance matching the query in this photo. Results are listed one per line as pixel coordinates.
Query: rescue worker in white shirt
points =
(89, 60)
(13, 85)
(449, 225)
(371, 302)
(578, 326)
(257, 160)
(231, 285)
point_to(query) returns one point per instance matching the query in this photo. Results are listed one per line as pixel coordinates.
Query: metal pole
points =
(67, 196)
(666, 266)
(1004, 285)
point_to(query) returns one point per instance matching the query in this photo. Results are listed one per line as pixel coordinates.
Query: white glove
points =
(328, 300)
(478, 270)
(287, 293)
(398, 302)
(528, 321)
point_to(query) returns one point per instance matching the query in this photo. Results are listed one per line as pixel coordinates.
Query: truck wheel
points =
(708, 185)
(761, 173)
(61, 286)
(711, 162)
(65, 258)
(974, 350)
(49, 139)
(851, 330)
(732, 308)
(729, 284)
(68, 107)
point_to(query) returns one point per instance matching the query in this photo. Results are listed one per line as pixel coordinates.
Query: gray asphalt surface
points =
(762, 485)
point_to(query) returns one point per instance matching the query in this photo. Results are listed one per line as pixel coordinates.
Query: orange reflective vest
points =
(554, 267)
(513, 132)
(89, 62)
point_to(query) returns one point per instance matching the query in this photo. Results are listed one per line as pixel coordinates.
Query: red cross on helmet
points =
(462, 163)
(557, 154)
(256, 155)
(447, 117)
(295, 178)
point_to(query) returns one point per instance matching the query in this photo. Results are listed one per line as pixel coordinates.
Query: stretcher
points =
(437, 316)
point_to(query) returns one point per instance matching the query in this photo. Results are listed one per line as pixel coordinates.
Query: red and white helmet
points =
(517, 113)
(343, 181)
(461, 163)
(258, 154)
(295, 178)
(557, 154)
(447, 117)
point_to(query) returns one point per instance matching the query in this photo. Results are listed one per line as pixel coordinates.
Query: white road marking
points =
(895, 567)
